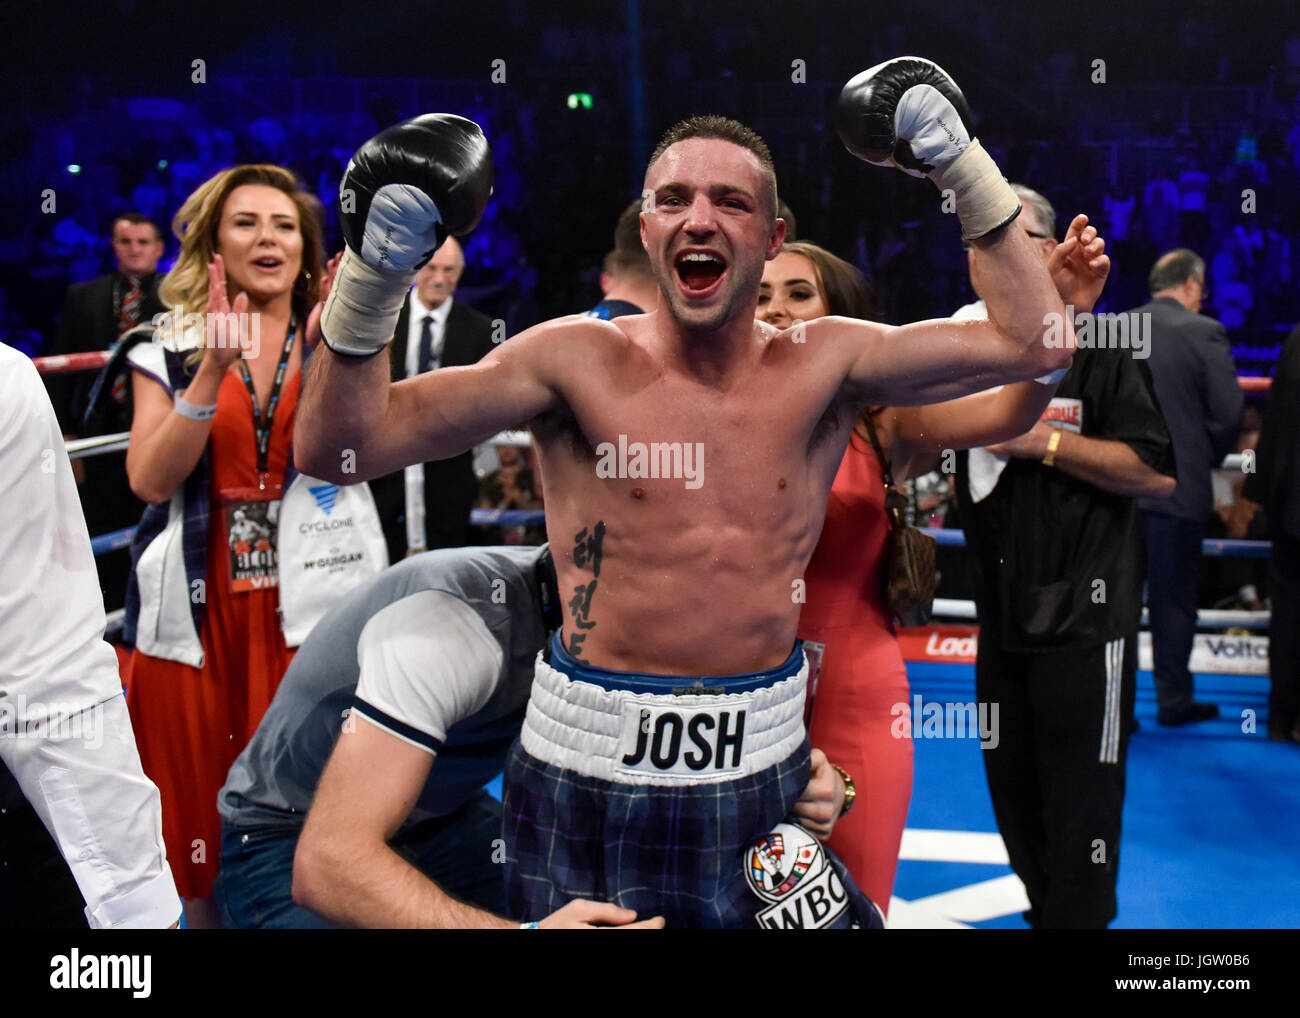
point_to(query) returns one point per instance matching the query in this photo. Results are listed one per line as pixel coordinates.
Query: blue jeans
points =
(254, 889)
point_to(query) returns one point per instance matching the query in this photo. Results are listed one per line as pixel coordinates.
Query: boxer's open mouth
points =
(699, 271)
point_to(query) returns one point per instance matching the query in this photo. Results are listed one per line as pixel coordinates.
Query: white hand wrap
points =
(363, 306)
(984, 199)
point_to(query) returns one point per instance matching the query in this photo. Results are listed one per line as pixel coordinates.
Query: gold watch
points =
(1053, 444)
(850, 789)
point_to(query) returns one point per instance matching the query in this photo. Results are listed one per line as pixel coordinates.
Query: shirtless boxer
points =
(665, 734)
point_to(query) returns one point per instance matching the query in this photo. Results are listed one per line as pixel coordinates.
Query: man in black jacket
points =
(427, 506)
(1056, 556)
(99, 310)
(95, 314)
(1196, 384)
(1275, 485)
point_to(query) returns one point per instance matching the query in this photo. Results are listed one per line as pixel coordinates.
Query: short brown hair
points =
(725, 129)
(629, 256)
(628, 263)
(136, 219)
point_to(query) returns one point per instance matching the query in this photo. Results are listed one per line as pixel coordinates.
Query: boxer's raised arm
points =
(1022, 304)
(403, 192)
(908, 113)
(943, 359)
(353, 423)
(1078, 268)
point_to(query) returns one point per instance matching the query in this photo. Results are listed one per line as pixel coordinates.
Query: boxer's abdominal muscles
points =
(682, 521)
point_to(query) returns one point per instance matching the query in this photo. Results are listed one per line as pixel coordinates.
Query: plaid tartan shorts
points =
(666, 795)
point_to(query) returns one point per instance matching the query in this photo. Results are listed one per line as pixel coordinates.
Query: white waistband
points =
(661, 738)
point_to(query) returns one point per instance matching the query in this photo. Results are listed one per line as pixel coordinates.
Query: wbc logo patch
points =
(771, 875)
(788, 868)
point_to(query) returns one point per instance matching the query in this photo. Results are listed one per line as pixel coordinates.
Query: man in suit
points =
(99, 310)
(1196, 385)
(427, 506)
(95, 314)
(1275, 485)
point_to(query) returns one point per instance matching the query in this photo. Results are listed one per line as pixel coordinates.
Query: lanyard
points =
(262, 430)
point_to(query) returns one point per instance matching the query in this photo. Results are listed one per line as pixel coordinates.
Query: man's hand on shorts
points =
(581, 914)
(823, 797)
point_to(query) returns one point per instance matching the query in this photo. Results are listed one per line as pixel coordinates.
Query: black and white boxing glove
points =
(403, 193)
(907, 112)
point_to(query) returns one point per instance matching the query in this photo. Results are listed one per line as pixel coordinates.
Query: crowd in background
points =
(1191, 138)
(1208, 160)
(528, 267)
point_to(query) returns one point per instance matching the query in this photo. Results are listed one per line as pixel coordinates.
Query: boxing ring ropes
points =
(1206, 618)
